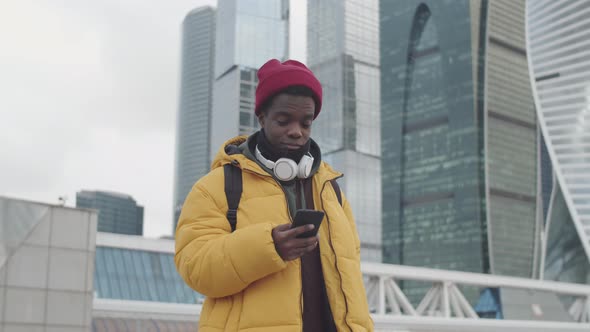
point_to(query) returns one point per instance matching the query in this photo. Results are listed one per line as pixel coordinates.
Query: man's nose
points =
(295, 131)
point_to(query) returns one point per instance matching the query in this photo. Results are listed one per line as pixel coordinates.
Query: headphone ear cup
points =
(285, 169)
(304, 167)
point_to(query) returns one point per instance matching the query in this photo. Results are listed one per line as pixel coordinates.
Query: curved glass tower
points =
(559, 59)
(459, 138)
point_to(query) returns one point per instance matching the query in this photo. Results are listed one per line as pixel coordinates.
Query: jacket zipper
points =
(298, 196)
(329, 241)
(334, 251)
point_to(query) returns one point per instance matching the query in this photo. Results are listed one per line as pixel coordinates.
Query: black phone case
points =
(304, 217)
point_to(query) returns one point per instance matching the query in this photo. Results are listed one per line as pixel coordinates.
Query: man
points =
(262, 277)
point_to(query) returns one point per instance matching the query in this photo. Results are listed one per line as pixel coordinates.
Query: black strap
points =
(233, 192)
(337, 190)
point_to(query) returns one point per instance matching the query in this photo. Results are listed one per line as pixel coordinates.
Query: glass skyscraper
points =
(459, 137)
(117, 213)
(559, 49)
(343, 52)
(194, 113)
(249, 33)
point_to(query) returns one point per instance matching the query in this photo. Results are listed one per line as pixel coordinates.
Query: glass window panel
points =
(131, 275)
(112, 274)
(120, 274)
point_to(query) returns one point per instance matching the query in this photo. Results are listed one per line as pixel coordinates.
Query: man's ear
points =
(261, 119)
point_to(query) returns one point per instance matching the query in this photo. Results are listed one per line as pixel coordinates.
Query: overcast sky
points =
(89, 96)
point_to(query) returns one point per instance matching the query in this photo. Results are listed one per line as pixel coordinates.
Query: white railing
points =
(444, 308)
(444, 300)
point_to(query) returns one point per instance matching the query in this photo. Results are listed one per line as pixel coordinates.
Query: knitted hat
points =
(274, 76)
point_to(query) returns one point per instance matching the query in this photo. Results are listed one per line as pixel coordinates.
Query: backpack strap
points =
(233, 192)
(337, 190)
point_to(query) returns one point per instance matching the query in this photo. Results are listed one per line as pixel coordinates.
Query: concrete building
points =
(193, 122)
(343, 52)
(559, 51)
(118, 213)
(46, 267)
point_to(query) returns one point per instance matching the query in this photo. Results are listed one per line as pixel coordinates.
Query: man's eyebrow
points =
(283, 113)
(289, 114)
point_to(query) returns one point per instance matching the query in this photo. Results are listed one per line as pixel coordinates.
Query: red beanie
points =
(274, 76)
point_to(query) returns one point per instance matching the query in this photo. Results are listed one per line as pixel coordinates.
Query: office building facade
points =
(559, 49)
(118, 213)
(343, 52)
(249, 32)
(459, 135)
(193, 123)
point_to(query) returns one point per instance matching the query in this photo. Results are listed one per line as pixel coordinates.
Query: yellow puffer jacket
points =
(247, 284)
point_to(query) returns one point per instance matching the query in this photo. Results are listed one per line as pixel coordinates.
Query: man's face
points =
(287, 122)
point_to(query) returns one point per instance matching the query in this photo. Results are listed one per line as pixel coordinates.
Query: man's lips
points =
(292, 146)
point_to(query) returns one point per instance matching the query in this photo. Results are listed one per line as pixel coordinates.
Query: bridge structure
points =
(444, 307)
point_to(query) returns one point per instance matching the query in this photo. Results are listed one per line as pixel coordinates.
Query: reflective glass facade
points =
(249, 33)
(511, 142)
(248, 82)
(432, 173)
(138, 275)
(559, 49)
(343, 52)
(566, 260)
(547, 178)
(194, 112)
(459, 141)
(117, 213)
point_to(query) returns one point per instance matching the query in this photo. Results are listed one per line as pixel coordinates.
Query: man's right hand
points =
(288, 246)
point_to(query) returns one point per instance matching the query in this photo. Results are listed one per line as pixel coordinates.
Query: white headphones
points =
(286, 169)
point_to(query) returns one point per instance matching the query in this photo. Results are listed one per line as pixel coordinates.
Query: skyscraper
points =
(194, 112)
(343, 52)
(117, 213)
(559, 49)
(459, 137)
(249, 32)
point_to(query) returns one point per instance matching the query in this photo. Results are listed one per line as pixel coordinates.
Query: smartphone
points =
(304, 217)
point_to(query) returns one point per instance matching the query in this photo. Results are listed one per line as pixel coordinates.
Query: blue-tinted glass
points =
(131, 274)
(430, 138)
(566, 260)
(121, 276)
(181, 296)
(169, 280)
(150, 278)
(112, 273)
(100, 275)
(139, 276)
(118, 213)
(159, 275)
